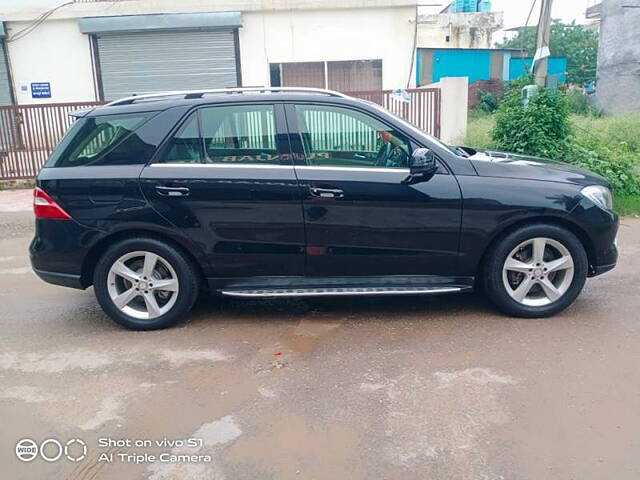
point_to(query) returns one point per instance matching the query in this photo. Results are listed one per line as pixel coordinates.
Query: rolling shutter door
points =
(5, 85)
(144, 62)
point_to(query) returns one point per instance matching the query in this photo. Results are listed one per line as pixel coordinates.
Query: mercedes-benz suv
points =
(300, 192)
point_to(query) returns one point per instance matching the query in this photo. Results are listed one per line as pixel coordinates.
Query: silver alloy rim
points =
(143, 285)
(538, 272)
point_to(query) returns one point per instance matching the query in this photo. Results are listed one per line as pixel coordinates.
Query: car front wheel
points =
(536, 271)
(145, 284)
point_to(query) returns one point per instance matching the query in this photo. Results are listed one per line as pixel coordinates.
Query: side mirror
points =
(423, 163)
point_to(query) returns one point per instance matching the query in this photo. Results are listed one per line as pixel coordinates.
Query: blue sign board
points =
(41, 90)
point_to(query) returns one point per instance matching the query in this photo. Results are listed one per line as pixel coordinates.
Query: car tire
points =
(550, 282)
(126, 273)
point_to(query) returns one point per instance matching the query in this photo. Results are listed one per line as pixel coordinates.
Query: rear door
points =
(226, 179)
(360, 217)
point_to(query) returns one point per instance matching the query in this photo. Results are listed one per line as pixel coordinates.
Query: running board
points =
(326, 292)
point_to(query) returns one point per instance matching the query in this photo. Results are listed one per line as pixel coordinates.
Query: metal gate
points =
(28, 134)
(144, 62)
(422, 110)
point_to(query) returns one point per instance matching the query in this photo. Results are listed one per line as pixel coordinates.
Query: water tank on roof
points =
(471, 6)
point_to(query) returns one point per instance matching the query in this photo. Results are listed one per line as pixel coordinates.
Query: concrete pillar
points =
(455, 104)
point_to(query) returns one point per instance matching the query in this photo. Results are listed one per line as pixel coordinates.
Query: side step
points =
(326, 292)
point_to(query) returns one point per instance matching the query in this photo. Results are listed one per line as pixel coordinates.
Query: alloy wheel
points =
(143, 285)
(538, 272)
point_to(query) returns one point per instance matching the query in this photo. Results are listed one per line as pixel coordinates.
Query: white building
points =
(99, 50)
(458, 30)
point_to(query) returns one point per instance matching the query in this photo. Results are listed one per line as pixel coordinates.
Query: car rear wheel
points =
(536, 271)
(145, 284)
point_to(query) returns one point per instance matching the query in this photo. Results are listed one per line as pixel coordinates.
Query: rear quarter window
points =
(103, 140)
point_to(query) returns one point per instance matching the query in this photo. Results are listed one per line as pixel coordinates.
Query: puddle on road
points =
(307, 334)
(300, 343)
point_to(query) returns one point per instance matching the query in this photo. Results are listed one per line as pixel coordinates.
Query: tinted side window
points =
(335, 136)
(244, 134)
(186, 145)
(94, 136)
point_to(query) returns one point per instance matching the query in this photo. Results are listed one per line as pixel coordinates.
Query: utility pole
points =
(541, 58)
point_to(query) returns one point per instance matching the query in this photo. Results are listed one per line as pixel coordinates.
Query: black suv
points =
(302, 192)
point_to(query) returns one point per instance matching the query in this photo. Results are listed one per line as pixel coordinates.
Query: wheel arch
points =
(96, 251)
(562, 222)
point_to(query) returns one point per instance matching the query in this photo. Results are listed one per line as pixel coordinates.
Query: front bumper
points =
(606, 259)
(601, 227)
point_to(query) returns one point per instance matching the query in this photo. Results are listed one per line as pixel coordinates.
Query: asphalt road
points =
(393, 388)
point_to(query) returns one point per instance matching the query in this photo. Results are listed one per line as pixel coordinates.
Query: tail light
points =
(45, 207)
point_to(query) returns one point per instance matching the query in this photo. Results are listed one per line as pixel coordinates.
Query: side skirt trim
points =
(325, 292)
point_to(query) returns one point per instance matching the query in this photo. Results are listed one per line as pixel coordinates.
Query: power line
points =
(523, 39)
(35, 23)
(414, 50)
(533, 4)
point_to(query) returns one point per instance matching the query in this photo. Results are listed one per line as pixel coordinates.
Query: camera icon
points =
(51, 450)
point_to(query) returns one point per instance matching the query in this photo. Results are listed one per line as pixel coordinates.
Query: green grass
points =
(479, 132)
(627, 205)
(612, 130)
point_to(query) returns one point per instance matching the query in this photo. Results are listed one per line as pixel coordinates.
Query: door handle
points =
(326, 192)
(172, 191)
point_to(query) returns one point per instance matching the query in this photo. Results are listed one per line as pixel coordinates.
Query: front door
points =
(360, 218)
(226, 180)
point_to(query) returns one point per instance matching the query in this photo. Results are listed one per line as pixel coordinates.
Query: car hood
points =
(511, 165)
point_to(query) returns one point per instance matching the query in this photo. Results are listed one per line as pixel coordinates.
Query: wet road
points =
(397, 388)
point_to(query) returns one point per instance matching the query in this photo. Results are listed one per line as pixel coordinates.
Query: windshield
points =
(416, 130)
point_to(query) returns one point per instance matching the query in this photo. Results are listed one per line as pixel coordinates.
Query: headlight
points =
(599, 195)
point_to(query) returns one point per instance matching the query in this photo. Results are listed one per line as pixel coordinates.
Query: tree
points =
(578, 44)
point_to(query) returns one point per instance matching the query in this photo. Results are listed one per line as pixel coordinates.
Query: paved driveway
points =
(397, 388)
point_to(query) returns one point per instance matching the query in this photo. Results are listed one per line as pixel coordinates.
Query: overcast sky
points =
(516, 11)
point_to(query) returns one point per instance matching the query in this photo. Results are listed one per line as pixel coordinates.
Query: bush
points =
(539, 129)
(615, 164)
(487, 102)
(581, 104)
(607, 146)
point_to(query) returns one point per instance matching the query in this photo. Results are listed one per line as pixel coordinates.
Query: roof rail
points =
(189, 94)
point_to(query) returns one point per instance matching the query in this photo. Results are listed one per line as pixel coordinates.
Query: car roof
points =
(163, 101)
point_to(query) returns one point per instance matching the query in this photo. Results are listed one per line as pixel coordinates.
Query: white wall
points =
(465, 30)
(29, 9)
(58, 53)
(313, 35)
(55, 52)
